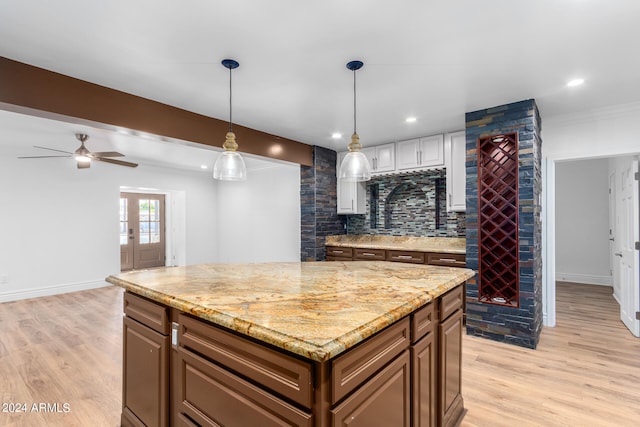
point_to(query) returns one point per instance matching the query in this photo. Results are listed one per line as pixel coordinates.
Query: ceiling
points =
(434, 60)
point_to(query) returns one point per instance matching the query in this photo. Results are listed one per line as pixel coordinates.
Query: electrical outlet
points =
(4, 279)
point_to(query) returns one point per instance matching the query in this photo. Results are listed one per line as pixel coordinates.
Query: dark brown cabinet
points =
(145, 365)
(342, 253)
(423, 367)
(382, 401)
(407, 374)
(450, 403)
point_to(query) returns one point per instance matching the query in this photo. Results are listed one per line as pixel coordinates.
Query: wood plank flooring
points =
(585, 372)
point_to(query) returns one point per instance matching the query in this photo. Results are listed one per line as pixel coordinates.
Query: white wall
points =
(582, 221)
(59, 225)
(606, 132)
(259, 219)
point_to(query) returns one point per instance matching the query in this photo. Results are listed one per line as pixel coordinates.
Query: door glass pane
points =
(154, 231)
(154, 210)
(124, 223)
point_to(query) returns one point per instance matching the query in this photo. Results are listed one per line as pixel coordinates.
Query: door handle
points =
(612, 239)
(618, 254)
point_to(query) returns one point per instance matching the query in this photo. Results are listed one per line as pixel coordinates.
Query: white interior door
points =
(627, 234)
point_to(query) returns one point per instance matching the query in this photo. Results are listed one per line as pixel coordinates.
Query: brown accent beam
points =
(43, 93)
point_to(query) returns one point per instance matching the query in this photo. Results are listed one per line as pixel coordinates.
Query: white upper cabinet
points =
(420, 153)
(351, 195)
(382, 158)
(456, 149)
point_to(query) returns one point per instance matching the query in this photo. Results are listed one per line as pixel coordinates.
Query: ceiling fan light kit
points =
(229, 165)
(83, 156)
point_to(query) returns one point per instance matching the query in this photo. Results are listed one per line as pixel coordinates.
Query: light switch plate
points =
(4, 279)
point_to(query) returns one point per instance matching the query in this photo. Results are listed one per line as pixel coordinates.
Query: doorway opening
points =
(142, 231)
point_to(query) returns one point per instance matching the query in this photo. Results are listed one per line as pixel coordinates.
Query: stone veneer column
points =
(318, 209)
(521, 326)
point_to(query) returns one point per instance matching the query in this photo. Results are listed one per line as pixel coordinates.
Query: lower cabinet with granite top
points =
(185, 370)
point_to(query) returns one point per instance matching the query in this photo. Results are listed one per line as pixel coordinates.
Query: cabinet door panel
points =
(423, 369)
(385, 158)
(450, 356)
(382, 401)
(456, 172)
(407, 153)
(145, 375)
(431, 151)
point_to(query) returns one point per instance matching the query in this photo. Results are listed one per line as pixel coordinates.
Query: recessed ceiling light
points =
(410, 119)
(575, 82)
(204, 167)
(336, 135)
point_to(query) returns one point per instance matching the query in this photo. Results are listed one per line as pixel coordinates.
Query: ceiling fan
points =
(84, 157)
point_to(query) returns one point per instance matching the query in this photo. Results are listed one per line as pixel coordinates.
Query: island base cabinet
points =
(451, 406)
(209, 395)
(382, 401)
(145, 376)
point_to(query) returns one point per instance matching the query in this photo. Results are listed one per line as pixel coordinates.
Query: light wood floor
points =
(585, 372)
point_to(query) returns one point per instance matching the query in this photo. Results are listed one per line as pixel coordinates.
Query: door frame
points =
(549, 235)
(175, 226)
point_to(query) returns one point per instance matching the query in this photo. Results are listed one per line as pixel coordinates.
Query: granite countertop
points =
(314, 309)
(451, 245)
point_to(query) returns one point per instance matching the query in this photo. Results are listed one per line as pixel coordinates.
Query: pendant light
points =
(355, 166)
(229, 165)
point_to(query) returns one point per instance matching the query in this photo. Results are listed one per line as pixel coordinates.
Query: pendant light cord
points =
(230, 111)
(354, 101)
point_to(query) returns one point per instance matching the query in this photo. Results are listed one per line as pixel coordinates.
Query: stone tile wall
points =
(405, 205)
(318, 209)
(522, 325)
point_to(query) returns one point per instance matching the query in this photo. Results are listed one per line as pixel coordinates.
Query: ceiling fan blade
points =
(41, 157)
(116, 162)
(51, 149)
(106, 154)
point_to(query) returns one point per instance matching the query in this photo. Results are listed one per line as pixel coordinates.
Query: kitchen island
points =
(309, 344)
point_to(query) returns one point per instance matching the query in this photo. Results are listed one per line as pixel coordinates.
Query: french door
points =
(142, 236)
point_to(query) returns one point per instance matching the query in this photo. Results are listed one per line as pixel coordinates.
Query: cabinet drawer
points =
(451, 301)
(422, 322)
(213, 396)
(369, 254)
(406, 256)
(356, 366)
(276, 371)
(149, 313)
(450, 260)
(382, 401)
(339, 252)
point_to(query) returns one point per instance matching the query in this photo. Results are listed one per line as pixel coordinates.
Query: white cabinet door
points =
(407, 153)
(455, 149)
(385, 158)
(381, 158)
(421, 153)
(431, 151)
(350, 195)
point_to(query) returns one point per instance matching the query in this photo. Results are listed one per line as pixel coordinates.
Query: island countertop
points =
(313, 309)
(452, 245)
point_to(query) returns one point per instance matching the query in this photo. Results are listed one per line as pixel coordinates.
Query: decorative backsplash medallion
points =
(411, 204)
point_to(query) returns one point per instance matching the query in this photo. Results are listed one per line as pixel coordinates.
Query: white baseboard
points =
(584, 278)
(50, 290)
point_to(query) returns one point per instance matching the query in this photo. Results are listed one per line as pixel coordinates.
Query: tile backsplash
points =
(411, 204)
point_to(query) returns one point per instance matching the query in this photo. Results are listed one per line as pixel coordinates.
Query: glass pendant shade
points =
(230, 165)
(355, 165)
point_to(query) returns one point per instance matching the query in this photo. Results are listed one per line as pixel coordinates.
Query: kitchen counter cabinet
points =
(227, 365)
